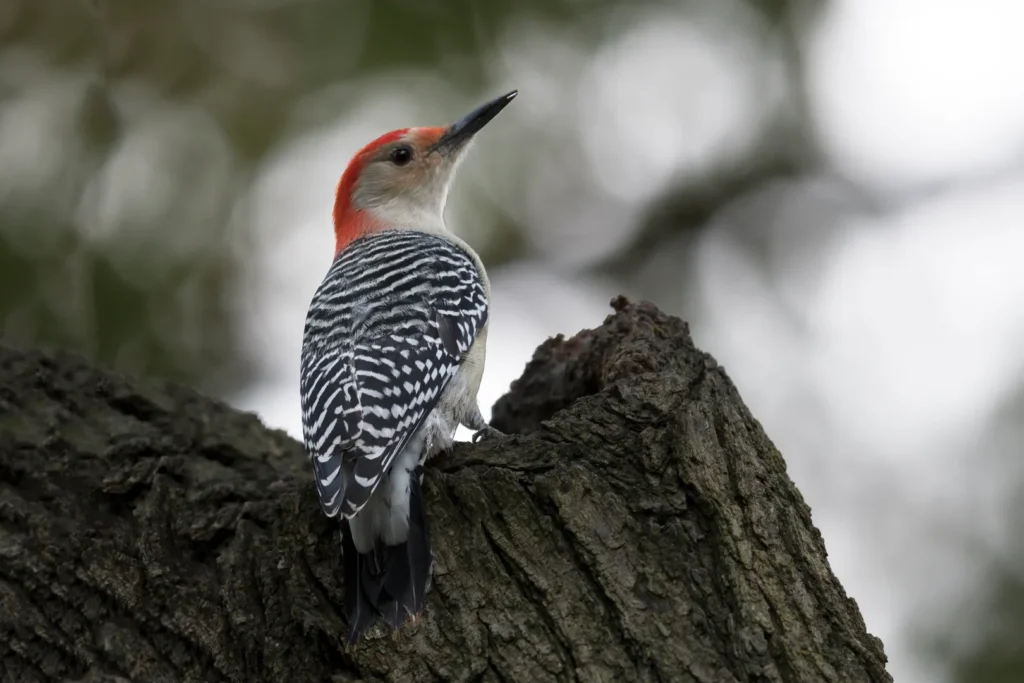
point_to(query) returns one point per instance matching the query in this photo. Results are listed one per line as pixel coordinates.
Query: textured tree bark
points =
(639, 526)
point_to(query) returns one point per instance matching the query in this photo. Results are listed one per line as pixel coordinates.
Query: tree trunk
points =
(638, 526)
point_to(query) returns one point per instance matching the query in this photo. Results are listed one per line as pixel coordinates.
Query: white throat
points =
(400, 213)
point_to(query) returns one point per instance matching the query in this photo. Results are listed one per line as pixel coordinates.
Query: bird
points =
(393, 352)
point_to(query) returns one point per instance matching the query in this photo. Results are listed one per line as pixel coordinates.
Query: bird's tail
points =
(390, 581)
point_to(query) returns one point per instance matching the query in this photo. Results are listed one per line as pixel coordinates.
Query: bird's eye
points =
(400, 156)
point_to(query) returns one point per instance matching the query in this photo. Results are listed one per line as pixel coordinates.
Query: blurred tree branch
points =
(639, 526)
(687, 210)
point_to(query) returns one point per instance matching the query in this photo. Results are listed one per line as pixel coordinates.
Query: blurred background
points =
(830, 191)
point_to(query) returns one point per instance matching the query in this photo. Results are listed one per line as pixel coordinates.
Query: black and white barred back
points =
(385, 333)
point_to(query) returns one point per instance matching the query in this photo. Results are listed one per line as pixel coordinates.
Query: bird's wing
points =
(331, 419)
(365, 397)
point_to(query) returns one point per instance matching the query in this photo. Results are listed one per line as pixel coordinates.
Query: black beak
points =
(463, 130)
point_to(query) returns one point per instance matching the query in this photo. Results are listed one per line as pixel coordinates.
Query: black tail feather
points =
(359, 610)
(389, 581)
(420, 556)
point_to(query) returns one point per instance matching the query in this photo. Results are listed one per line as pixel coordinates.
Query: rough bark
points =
(639, 526)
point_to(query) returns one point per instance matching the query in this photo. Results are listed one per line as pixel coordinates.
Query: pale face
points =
(407, 180)
(401, 180)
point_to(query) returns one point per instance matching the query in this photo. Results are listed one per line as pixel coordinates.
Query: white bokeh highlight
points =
(909, 93)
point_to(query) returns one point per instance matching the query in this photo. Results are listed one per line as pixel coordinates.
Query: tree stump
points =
(636, 525)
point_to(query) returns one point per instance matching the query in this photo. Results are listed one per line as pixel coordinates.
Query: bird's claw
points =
(487, 432)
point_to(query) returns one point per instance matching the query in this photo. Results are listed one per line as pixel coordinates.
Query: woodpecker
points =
(392, 356)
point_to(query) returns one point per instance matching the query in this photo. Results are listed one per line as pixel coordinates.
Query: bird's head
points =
(401, 179)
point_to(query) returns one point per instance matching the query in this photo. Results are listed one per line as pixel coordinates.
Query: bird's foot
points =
(485, 433)
(410, 620)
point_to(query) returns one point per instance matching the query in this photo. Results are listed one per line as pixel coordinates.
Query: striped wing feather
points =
(381, 344)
